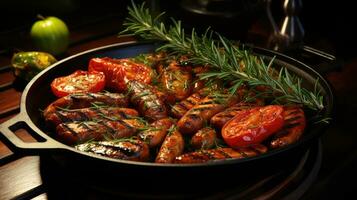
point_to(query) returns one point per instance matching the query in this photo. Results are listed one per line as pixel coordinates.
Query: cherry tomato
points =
(119, 71)
(79, 81)
(253, 126)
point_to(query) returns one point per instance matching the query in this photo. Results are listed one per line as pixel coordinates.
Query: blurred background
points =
(243, 20)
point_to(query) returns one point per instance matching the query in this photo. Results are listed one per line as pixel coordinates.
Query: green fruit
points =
(50, 35)
(26, 65)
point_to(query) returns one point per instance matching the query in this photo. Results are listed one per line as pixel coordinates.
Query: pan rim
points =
(271, 153)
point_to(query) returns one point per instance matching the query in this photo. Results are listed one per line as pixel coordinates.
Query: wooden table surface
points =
(22, 174)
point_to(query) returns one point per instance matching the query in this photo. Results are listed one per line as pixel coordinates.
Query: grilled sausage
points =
(204, 138)
(146, 101)
(294, 125)
(198, 115)
(87, 114)
(126, 149)
(177, 80)
(79, 132)
(172, 146)
(182, 107)
(221, 118)
(220, 154)
(85, 100)
(156, 132)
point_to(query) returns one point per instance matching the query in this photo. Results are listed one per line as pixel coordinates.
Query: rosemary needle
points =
(228, 62)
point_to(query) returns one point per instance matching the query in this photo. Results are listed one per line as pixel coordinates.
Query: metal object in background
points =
(291, 34)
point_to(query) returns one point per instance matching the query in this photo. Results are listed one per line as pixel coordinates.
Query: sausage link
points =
(221, 118)
(155, 135)
(87, 114)
(198, 115)
(177, 80)
(204, 138)
(172, 146)
(79, 132)
(183, 106)
(147, 101)
(85, 100)
(294, 125)
(126, 149)
(220, 154)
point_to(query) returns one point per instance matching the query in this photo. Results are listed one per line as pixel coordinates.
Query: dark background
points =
(325, 25)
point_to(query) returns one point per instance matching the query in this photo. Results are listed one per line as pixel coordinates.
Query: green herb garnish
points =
(227, 61)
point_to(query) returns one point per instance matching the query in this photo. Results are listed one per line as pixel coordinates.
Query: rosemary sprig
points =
(228, 62)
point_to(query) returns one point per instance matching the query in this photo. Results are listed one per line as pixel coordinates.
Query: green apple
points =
(50, 35)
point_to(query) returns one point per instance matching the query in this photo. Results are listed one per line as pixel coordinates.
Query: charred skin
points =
(131, 149)
(197, 116)
(294, 125)
(182, 107)
(147, 101)
(221, 118)
(79, 132)
(155, 135)
(203, 156)
(172, 147)
(88, 114)
(177, 81)
(204, 138)
(85, 100)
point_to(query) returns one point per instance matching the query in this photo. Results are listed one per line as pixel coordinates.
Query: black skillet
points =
(37, 95)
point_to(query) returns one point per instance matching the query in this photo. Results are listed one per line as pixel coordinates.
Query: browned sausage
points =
(182, 107)
(146, 101)
(220, 154)
(172, 146)
(204, 138)
(294, 125)
(197, 116)
(87, 114)
(126, 149)
(79, 132)
(177, 81)
(221, 118)
(85, 100)
(156, 132)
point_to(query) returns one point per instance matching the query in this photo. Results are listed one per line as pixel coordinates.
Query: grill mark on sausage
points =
(123, 115)
(85, 125)
(93, 96)
(124, 124)
(135, 150)
(61, 116)
(222, 152)
(125, 150)
(108, 128)
(83, 116)
(190, 101)
(292, 118)
(69, 129)
(292, 125)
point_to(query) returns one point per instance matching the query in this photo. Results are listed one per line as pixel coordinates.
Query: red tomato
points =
(119, 71)
(253, 126)
(79, 81)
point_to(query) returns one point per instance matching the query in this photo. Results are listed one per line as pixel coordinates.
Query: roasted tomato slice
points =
(77, 82)
(119, 71)
(253, 126)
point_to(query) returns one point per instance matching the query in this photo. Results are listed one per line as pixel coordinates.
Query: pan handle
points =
(15, 144)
